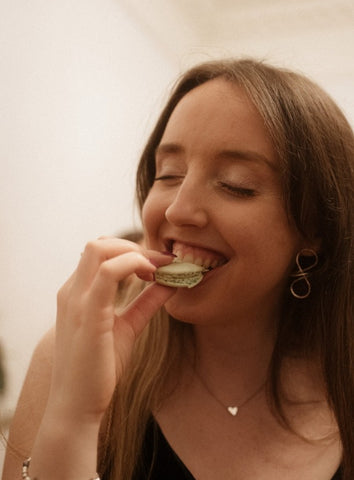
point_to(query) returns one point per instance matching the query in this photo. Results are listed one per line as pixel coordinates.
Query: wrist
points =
(65, 448)
(66, 407)
(25, 471)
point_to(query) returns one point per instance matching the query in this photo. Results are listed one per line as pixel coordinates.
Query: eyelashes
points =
(169, 180)
(238, 190)
(232, 189)
(167, 177)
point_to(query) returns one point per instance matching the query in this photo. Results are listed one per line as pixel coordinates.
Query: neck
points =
(233, 361)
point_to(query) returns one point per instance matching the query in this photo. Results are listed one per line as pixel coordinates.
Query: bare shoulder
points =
(30, 407)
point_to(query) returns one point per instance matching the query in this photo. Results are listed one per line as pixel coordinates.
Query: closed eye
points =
(237, 190)
(169, 179)
(166, 177)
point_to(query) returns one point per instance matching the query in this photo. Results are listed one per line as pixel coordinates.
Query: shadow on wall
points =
(5, 417)
(2, 373)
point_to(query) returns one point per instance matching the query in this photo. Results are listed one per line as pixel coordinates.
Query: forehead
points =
(216, 115)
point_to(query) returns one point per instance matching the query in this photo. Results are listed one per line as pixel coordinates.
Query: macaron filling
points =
(180, 274)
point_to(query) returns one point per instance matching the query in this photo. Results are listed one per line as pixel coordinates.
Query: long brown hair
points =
(315, 146)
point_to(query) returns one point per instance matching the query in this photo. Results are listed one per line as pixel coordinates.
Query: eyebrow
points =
(228, 154)
(247, 155)
(166, 148)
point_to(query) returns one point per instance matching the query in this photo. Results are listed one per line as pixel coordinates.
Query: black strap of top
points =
(158, 461)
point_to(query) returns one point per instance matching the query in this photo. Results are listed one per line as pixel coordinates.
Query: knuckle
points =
(137, 259)
(91, 247)
(105, 270)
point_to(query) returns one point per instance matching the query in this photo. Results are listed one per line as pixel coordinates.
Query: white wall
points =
(80, 82)
(312, 36)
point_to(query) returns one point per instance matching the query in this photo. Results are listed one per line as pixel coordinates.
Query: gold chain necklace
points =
(231, 409)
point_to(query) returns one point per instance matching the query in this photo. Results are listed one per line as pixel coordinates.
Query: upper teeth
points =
(197, 260)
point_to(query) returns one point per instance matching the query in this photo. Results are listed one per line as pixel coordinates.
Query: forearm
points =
(65, 449)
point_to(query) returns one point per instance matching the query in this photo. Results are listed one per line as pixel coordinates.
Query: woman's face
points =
(217, 200)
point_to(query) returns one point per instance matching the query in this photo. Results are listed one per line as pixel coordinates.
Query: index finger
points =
(98, 251)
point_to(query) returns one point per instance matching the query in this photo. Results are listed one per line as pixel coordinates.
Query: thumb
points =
(151, 299)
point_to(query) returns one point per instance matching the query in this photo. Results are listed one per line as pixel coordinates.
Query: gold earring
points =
(301, 276)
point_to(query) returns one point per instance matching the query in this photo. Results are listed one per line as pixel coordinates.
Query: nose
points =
(188, 206)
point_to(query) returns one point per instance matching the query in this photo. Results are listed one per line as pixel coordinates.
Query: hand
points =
(93, 344)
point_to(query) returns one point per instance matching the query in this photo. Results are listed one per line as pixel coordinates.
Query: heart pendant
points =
(232, 411)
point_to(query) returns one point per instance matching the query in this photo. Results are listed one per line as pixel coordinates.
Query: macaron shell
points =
(179, 274)
(179, 281)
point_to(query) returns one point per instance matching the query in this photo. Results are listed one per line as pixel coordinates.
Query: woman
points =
(248, 374)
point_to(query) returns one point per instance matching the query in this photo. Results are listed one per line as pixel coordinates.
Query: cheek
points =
(264, 233)
(152, 215)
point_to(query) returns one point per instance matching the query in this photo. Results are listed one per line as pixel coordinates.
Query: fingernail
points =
(155, 264)
(170, 254)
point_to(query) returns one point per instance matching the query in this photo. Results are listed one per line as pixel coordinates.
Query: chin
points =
(186, 310)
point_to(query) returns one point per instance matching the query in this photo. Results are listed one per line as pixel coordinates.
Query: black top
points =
(159, 461)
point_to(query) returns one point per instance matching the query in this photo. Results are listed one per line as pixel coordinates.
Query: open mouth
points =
(208, 259)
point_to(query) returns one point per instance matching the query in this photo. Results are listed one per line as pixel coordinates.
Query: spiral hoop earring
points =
(301, 282)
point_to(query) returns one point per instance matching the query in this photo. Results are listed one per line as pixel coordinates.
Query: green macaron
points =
(180, 274)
